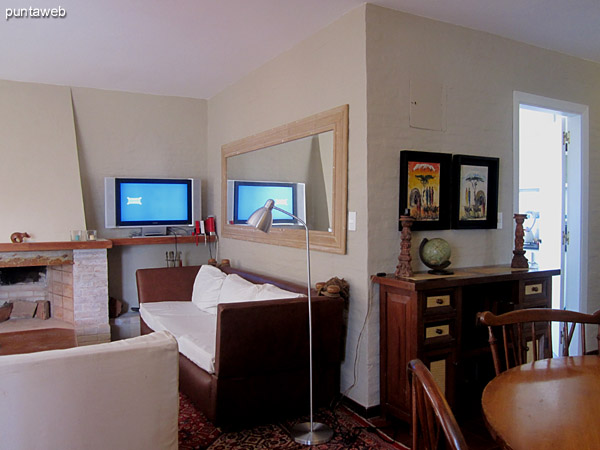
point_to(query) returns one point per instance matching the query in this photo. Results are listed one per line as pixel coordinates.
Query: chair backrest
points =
(433, 424)
(527, 334)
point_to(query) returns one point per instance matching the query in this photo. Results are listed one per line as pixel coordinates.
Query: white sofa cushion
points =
(237, 289)
(194, 329)
(207, 286)
(271, 292)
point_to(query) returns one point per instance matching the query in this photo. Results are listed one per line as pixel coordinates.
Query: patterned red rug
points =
(351, 432)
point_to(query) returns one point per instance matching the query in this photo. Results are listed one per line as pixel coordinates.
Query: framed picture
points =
(475, 187)
(425, 189)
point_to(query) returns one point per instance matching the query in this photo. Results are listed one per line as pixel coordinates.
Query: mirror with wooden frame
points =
(305, 165)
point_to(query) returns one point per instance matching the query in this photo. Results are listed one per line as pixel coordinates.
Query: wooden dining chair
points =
(433, 424)
(527, 334)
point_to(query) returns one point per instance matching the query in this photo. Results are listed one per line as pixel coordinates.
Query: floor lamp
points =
(307, 433)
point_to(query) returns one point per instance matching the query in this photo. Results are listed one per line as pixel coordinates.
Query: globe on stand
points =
(435, 254)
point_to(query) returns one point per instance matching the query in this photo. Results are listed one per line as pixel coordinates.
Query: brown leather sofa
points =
(262, 353)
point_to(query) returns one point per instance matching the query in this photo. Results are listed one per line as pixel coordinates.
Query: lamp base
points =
(320, 433)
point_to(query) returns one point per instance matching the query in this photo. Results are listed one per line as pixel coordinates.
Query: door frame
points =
(580, 140)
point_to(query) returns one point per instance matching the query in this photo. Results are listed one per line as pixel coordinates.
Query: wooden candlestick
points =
(404, 269)
(519, 260)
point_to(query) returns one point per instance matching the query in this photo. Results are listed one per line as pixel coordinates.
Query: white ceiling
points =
(196, 48)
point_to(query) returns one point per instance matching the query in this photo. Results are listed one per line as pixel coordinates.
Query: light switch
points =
(351, 220)
(499, 221)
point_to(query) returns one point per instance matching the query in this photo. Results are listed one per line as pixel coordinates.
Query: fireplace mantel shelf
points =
(50, 246)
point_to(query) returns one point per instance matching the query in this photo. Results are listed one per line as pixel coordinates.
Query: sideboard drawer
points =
(438, 334)
(436, 331)
(534, 291)
(437, 301)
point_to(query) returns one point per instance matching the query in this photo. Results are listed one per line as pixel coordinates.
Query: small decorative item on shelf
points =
(404, 268)
(78, 235)
(212, 262)
(435, 254)
(17, 237)
(519, 260)
(225, 263)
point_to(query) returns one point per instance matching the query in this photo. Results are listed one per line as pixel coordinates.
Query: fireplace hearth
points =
(74, 281)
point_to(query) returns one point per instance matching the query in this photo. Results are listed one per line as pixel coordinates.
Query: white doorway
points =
(551, 161)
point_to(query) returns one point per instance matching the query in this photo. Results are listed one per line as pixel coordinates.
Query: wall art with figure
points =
(475, 182)
(425, 189)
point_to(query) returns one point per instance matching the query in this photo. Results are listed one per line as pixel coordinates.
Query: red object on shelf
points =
(210, 224)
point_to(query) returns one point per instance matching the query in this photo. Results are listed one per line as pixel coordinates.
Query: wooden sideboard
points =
(433, 318)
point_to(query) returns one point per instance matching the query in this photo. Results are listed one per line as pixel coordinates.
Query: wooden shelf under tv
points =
(101, 243)
(156, 240)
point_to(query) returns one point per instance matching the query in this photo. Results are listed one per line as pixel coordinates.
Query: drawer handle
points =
(439, 331)
(439, 301)
(533, 289)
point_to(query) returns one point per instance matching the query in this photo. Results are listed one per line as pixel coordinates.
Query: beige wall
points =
(325, 71)
(138, 135)
(480, 72)
(39, 171)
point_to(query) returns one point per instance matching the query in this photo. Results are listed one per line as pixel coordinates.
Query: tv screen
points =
(251, 195)
(143, 202)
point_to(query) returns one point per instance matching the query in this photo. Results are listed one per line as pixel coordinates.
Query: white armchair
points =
(119, 395)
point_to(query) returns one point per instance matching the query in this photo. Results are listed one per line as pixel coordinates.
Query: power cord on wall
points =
(356, 352)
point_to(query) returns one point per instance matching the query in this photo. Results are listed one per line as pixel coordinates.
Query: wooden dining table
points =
(548, 404)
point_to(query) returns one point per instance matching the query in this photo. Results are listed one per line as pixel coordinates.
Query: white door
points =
(542, 186)
(551, 187)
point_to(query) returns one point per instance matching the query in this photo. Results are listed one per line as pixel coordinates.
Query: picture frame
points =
(425, 189)
(475, 192)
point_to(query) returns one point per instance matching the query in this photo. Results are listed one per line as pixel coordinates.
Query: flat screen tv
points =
(152, 204)
(245, 197)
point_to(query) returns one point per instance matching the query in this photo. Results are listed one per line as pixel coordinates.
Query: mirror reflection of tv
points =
(245, 197)
(152, 204)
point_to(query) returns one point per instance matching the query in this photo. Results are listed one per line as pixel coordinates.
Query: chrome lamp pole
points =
(306, 433)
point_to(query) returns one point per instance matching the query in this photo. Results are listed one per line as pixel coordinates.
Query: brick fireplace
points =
(75, 283)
